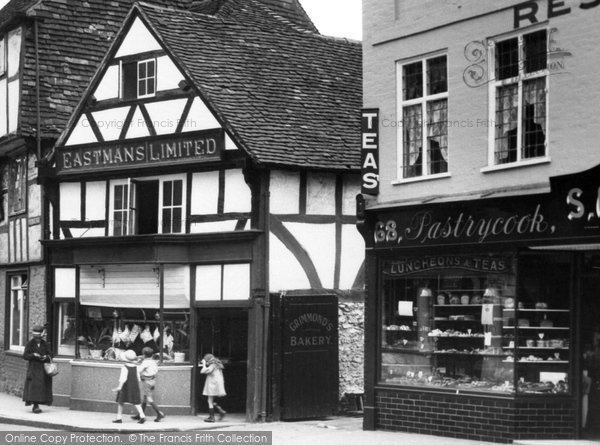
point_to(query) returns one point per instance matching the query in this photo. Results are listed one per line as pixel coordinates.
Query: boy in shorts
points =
(148, 371)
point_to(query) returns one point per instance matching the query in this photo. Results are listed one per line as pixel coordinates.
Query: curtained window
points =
(423, 105)
(520, 97)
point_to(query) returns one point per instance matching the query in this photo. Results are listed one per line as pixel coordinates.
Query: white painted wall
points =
(82, 133)
(211, 227)
(95, 199)
(205, 193)
(70, 201)
(353, 255)
(168, 76)
(138, 40)
(238, 197)
(284, 270)
(320, 194)
(319, 242)
(200, 117)
(165, 115)
(110, 122)
(285, 192)
(109, 86)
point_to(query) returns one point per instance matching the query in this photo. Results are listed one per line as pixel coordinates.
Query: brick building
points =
(480, 217)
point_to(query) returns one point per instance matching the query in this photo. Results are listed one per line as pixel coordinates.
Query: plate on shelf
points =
(440, 318)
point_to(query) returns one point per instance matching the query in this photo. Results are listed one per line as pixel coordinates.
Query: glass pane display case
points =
(468, 327)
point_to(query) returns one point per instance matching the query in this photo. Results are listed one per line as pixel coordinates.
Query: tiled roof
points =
(74, 36)
(13, 9)
(290, 97)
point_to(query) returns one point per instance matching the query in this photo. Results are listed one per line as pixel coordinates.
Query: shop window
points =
(120, 308)
(2, 57)
(139, 79)
(462, 323)
(18, 312)
(443, 324)
(519, 91)
(17, 185)
(223, 282)
(423, 110)
(64, 296)
(147, 206)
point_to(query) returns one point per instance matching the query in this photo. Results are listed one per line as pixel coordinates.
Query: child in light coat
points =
(214, 385)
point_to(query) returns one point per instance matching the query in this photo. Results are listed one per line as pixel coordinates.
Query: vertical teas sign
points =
(369, 153)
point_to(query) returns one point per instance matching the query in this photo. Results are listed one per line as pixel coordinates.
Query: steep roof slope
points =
(74, 36)
(290, 97)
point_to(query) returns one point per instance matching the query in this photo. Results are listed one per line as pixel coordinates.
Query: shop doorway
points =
(224, 333)
(589, 340)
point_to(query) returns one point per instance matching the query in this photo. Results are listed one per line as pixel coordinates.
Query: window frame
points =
(17, 174)
(424, 100)
(130, 226)
(522, 77)
(24, 310)
(146, 79)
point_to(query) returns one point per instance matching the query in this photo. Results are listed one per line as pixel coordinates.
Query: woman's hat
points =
(39, 329)
(130, 355)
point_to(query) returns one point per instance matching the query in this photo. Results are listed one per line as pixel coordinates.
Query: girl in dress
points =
(214, 385)
(128, 390)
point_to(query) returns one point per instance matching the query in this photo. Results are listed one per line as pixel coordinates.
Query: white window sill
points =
(511, 165)
(421, 178)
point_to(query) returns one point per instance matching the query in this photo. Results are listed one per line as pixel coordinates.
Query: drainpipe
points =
(267, 304)
(38, 136)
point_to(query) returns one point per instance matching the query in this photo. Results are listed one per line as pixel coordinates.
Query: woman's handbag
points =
(51, 368)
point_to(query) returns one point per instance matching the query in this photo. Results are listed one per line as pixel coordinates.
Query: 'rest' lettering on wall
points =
(369, 153)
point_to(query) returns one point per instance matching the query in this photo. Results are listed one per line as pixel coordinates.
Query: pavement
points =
(339, 430)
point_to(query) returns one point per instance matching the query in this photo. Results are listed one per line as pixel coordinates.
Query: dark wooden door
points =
(309, 370)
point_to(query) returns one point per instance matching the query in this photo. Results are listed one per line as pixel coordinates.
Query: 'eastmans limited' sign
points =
(193, 147)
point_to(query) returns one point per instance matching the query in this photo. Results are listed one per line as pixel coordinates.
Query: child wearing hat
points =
(148, 371)
(128, 390)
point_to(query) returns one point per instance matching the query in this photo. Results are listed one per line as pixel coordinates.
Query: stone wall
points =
(351, 346)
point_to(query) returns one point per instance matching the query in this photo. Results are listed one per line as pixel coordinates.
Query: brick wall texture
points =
(474, 418)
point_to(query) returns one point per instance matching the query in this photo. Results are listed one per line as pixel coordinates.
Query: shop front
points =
(104, 306)
(483, 315)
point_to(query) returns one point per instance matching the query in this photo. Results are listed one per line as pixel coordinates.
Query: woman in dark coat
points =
(38, 385)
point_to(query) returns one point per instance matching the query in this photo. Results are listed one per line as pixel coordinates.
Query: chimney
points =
(205, 6)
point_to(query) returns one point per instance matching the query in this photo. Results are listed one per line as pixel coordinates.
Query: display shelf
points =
(458, 305)
(538, 310)
(543, 348)
(541, 362)
(537, 328)
(470, 354)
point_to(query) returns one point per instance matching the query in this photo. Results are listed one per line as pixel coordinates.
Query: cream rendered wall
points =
(573, 99)
(95, 197)
(285, 192)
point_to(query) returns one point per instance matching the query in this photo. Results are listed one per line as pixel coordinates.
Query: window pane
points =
(535, 51)
(534, 118)
(437, 136)
(2, 57)
(66, 328)
(142, 88)
(208, 282)
(177, 192)
(151, 68)
(141, 70)
(507, 59)
(506, 124)
(412, 79)
(167, 193)
(176, 220)
(166, 221)
(412, 122)
(430, 339)
(437, 79)
(119, 226)
(16, 297)
(150, 86)
(118, 197)
(236, 281)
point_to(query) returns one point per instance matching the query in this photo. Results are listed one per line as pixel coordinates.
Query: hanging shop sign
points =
(193, 147)
(410, 265)
(369, 153)
(569, 213)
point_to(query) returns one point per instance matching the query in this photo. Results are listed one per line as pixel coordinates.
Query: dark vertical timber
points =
(371, 309)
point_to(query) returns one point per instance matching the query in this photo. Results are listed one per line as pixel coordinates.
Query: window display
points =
(461, 322)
